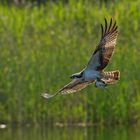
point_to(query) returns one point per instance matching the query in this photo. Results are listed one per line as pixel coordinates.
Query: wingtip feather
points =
(110, 25)
(102, 31)
(47, 96)
(105, 25)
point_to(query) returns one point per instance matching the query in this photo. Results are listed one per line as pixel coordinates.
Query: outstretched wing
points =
(105, 49)
(74, 86)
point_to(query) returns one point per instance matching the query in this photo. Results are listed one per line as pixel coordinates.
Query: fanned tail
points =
(111, 77)
(112, 74)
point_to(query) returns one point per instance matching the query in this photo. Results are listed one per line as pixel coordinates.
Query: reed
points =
(41, 46)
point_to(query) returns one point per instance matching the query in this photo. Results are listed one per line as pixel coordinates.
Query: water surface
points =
(71, 133)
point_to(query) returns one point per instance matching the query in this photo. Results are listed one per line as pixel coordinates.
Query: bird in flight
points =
(94, 72)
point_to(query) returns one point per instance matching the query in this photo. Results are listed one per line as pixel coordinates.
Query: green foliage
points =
(41, 47)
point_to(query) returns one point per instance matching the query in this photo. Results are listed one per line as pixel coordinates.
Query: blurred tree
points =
(39, 2)
(19, 2)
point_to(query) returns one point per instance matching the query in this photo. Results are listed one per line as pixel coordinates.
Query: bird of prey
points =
(94, 72)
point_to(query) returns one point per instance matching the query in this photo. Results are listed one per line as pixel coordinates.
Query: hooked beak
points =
(71, 76)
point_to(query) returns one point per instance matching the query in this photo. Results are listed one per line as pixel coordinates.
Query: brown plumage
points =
(112, 74)
(106, 46)
(98, 61)
(111, 77)
(74, 86)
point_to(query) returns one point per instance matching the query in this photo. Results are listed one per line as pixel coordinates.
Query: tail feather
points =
(112, 76)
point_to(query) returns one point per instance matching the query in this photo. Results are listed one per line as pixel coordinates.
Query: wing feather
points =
(105, 25)
(104, 51)
(74, 86)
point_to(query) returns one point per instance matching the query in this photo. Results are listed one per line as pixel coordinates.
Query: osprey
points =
(93, 72)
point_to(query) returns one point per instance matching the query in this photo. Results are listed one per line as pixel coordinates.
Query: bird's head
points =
(76, 75)
(73, 76)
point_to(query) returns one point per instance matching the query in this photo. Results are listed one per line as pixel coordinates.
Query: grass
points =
(41, 47)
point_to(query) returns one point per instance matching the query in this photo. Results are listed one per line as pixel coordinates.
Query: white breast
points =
(91, 74)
